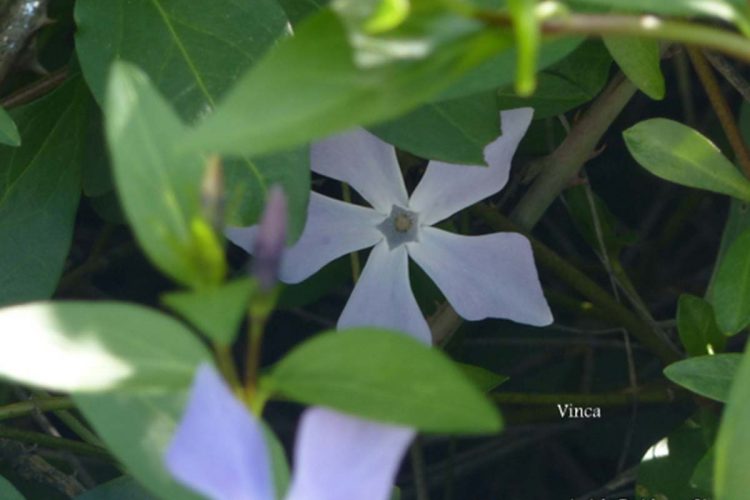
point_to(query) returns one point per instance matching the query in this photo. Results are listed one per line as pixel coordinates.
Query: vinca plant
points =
(374, 249)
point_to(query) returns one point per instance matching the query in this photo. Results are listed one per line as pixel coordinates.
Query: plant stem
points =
(721, 108)
(644, 26)
(23, 408)
(35, 90)
(225, 363)
(56, 443)
(580, 282)
(256, 325)
(563, 164)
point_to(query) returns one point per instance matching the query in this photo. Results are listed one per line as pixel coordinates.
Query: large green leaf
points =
(95, 346)
(454, 131)
(709, 376)
(732, 460)
(309, 86)
(7, 491)
(137, 428)
(730, 293)
(696, 324)
(122, 488)
(39, 193)
(194, 51)
(160, 190)
(678, 153)
(568, 83)
(8, 130)
(217, 312)
(385, 376)
(639, 59)
(499, 70)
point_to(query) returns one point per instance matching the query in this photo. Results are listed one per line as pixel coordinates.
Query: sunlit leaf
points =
(95, 346)
(709, 376)
(680, 154)
(385, 376)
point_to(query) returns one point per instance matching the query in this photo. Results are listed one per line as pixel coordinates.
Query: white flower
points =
(489, 276)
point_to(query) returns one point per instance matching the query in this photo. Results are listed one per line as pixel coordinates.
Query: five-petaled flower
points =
(220, 450)
(481, 276)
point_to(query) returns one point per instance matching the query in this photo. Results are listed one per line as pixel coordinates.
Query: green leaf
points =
(137, 428)
(697, 327)
(298, 10)
(217, 312)
(39, 193)
(193, 53)
(385, 376)
(709, 376)
(279, 463)
(160, 189)
(665, 471)
(122, 488)
(7, 491)
(732, 462)
(95, 346)
(738, 221)
(679, 154)
(499, 70)
(703, 474)
(483, 378)
(454, 131)
(565, 85)
(730, 294)
(640, 60)
(8, 131)
(309, 86)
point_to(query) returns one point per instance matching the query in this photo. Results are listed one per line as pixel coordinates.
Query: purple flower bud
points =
(271, 239)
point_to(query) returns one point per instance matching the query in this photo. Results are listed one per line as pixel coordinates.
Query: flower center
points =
(402, 223)
(400, 227)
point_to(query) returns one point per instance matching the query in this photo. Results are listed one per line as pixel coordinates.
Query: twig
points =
(721, 108)
(24, 408)
(730, 73)
(35, 90)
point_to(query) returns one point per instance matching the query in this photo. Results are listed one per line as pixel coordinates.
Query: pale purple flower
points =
(489, 276)
(219, 450)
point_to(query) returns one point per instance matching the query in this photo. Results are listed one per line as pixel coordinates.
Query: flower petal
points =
(446, 188)
(366, 163)
(340, 457)
(333, 229)
(490, 276)
(218, 448)
(383, 298)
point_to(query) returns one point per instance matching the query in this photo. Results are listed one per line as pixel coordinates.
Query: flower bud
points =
(270, 240)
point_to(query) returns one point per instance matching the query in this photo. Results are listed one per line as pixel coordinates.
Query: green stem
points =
(226, 365)
(580, 282)
(23, 408)
(48, 441)
(254, 341)
(563, 164)
(636, 26)
(721, 108)
(75, 425)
